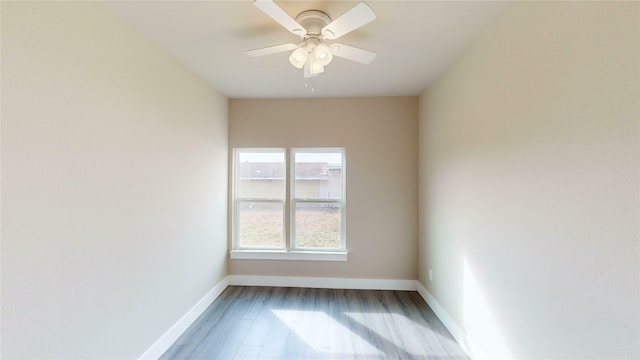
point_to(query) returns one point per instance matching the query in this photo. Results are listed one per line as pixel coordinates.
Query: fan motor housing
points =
(313, 21)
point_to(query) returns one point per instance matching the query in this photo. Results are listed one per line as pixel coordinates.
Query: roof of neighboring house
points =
(306, 170)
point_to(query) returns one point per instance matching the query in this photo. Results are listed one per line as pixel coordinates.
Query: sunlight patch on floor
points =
(413, 335)
(324, 334)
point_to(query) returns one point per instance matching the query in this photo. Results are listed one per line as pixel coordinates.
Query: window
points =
(260, 198)
(317, 199)
(305, 222)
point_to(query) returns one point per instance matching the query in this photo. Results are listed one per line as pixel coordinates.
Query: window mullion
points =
(288, 233)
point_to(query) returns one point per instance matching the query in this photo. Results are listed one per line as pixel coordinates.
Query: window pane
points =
(261, 175)
(317, 225)
(318, 175)
(261, 224)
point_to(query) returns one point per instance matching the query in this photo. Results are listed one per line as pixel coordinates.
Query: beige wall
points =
(114, 185)
(529, 196)
(380, 138)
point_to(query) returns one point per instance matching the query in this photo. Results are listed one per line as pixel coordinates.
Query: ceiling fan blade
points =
(271, 50)
(280, 16)
(358, 16)
(353, 53)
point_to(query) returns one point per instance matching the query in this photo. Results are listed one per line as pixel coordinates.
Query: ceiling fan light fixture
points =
(315, 67)
(299, 57)
(322, 54)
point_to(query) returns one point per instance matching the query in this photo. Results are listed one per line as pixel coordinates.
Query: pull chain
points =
(306, 85)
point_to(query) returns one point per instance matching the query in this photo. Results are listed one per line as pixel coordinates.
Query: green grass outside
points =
(314, 228)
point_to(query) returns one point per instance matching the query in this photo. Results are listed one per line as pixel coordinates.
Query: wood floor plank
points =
(306, 323)
(202, 328)
(247, 352)
(283, 299)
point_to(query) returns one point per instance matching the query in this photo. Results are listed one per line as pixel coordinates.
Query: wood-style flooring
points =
(305, 323)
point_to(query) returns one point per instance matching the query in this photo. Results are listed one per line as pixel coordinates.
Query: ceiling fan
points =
(314, 28)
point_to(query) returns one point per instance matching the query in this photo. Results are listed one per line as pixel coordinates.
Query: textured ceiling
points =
(415, 41)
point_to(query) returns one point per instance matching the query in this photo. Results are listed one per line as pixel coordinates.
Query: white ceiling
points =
(415, 42)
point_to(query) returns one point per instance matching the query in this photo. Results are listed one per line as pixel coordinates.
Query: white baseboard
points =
(457, 331)
(168, 338)
(327, 283)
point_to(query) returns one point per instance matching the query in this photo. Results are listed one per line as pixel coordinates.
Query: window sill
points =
(288, 255)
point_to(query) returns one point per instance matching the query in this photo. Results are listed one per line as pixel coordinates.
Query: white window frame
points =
(237, 199)
(289, 251)
(293, 200)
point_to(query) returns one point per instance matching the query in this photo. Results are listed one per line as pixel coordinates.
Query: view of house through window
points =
(315, 205)
(317, 198)
(260, 198)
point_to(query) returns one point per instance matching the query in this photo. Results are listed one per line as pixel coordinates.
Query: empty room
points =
(320, 180)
